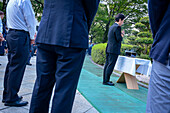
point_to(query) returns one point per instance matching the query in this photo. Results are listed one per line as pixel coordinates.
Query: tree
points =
(38, 8)
(142, 36)
(132, 9)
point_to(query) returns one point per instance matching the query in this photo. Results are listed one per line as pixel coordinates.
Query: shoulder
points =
(115, 25)
(118, 28)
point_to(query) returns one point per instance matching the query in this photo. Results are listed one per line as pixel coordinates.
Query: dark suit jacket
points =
(114, 39)
(160, 25)
(67, 22)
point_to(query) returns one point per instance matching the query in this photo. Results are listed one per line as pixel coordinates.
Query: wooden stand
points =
(130, 81)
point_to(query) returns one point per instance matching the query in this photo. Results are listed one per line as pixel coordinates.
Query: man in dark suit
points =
(113, 48)
(61, 40)
(159, 86)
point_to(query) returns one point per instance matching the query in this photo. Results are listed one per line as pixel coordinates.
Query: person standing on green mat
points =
(113, 48)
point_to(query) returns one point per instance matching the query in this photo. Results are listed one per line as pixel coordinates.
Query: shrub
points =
(142, 56)
(144, 40)
(98, 53)
(140, 26)
(125, 47)
(144, 34)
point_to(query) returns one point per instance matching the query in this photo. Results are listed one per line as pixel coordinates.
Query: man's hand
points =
(123, 33)
(32, 41)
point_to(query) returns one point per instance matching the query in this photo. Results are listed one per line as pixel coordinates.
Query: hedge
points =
(99, 55)
(142, 56)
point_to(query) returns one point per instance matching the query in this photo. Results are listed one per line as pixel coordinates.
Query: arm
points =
(157, 10)
(90, 7)
(118, 34)
(29, 18)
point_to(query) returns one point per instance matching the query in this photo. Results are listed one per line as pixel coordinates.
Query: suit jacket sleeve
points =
(157, 10)
(118, 34)
(90, 7)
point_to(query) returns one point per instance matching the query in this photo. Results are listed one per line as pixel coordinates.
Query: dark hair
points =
(1, 13)
(119, 16)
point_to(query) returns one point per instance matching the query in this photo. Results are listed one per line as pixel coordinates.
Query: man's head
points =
(119, 19)
(1, 14)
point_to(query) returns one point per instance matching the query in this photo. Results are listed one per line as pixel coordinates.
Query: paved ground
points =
(81, 105)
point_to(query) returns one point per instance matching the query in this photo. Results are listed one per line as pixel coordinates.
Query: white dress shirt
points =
(21, 16)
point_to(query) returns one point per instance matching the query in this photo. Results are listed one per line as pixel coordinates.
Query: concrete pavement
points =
(81, 105)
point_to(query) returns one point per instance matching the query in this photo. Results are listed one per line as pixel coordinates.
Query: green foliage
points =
(145, 21)
(99, 54)
(42, 1)
(1, 5)
(131, 40)
(144, 40)
(144, 34)
(38, 8)
(134, 32)
(107, 11)
(143, 56)
(140, 26)
(125, 47)
(137, 49)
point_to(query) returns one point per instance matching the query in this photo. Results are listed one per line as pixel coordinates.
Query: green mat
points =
(108, 99)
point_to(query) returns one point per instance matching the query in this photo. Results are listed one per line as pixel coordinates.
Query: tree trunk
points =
(146, 48)
(106, 33)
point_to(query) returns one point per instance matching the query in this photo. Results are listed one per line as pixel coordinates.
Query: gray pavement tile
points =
(15, 110)
(1, 92)
(24, 91)
(27, 85)
(2, 104)
(80, 105)
(92, 110)
(27, 98)
(1, 83)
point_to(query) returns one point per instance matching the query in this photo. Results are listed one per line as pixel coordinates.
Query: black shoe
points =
(29, 64)
(16, 103)
(108, 83)
(19, 99)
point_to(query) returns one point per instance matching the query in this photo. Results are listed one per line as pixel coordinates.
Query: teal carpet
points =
(109, 99)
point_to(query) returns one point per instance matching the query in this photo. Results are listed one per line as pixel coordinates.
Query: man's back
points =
(20, 16)
(65, 23)
(114, 40)
(61, 39)
(15, 7)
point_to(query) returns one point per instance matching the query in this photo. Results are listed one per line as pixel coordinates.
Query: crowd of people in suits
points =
(61, 43)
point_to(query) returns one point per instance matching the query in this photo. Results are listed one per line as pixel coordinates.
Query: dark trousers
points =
(109, 66)
(60, 67)
(2, 48)
(18, 51)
